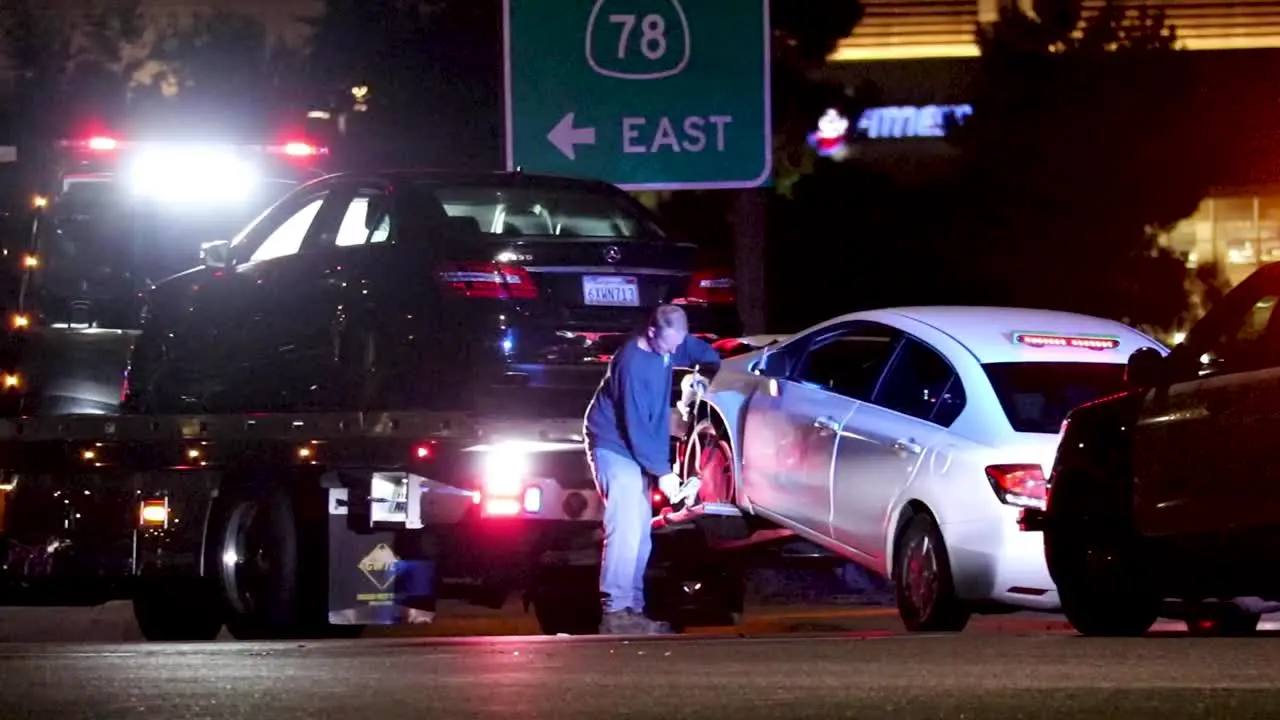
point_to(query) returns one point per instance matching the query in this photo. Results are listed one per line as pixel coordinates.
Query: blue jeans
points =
(627, 518)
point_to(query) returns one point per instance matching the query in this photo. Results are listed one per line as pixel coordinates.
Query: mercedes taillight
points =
(491, 280)
(710, 287)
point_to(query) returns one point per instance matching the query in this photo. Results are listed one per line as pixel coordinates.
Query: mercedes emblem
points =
(612, 254)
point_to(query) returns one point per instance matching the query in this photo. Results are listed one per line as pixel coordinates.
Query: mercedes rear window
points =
(1037, 397)
(533, 211)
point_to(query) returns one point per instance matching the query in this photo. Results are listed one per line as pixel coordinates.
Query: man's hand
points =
(670, 484)
(695, 382)
(692, 386)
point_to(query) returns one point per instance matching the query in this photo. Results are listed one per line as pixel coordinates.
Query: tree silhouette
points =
(433, 69)
(222, 66)
(1078, 151)
(70, 69)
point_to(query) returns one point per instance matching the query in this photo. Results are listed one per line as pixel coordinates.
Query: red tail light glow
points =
(1086, 342)
(102, 143)
(490, 280)
(710, 287)
(502, 506)
(1021, 485)
(300, 149)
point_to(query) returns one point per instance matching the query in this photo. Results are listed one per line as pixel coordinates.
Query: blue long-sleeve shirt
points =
(631, 411)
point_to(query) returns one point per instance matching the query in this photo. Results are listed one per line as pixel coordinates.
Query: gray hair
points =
(670, 317)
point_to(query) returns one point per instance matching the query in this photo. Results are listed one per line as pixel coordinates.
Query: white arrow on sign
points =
(566, 137)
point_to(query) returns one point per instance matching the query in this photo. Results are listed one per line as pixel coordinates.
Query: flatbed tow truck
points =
(305, 525)
(311, 524)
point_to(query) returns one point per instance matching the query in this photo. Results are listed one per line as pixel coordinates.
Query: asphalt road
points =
(1000, 668)
(862, 676)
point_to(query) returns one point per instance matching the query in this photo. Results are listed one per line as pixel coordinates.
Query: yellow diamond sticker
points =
(380, 566)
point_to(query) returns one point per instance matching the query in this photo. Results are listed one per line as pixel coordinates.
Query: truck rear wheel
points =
(272, 585)
(177, 610)
(566, 600)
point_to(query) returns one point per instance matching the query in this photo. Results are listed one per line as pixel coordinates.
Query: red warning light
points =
(101, 143)
(300, 149)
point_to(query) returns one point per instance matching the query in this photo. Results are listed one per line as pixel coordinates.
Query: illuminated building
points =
(920, 29)
(920, 54)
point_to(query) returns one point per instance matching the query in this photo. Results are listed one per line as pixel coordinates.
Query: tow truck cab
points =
(123, 214)
(114, 216)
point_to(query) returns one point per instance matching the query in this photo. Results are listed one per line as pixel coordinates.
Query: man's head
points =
(668, 327)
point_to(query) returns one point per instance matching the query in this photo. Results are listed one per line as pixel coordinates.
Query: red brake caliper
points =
(715, 474)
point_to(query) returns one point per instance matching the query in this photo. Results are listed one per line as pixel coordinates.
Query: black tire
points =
(566, 600)
(922, 582)
(270, 588)
(1101, 584)
(178, 611)
(717, 602)
(688, 585)
(1223, 620)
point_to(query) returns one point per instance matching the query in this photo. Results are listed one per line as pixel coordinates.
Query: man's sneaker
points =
(654, 627)
(645, 626)
(630, 622)
(622, 622)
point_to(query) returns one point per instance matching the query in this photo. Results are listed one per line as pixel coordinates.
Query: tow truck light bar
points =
(300, 149)
(102, 144)
(106, 144)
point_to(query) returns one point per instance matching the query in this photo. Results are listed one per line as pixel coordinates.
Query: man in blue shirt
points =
(628, 433)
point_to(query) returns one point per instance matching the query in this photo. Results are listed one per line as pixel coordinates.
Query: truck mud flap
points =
(373, 578)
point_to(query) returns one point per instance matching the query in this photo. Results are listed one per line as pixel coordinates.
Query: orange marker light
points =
(154, 513)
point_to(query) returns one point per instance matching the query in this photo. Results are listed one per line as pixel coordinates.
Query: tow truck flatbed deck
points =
(143, 442)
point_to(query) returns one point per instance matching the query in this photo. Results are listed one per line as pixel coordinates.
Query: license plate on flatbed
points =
(611, 290)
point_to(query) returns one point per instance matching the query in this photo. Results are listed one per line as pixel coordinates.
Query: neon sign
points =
(911, 121)
(830, 139)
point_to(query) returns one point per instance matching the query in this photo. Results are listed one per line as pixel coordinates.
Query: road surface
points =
(867, 675)
(1004, 668)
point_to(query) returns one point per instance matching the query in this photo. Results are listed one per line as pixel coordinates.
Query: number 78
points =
(653, 35)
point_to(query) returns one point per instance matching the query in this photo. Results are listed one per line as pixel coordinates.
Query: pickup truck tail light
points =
(1019, 485)
(489, 280)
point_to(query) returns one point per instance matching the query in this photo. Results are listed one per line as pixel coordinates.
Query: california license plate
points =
(611, 290)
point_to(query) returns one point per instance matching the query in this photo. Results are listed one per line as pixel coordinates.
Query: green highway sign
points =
(644, 94)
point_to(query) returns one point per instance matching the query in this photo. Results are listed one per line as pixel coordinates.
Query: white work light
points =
(195, 174)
